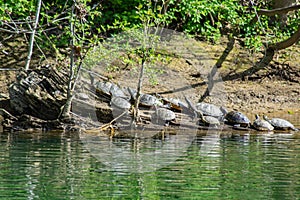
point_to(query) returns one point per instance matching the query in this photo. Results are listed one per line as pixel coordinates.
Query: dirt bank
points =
(273, 89)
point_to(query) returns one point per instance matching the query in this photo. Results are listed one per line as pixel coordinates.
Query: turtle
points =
(261, 124)
(163, 115)
(149, 100)
(132, 93)
(208, 120)
(146, 100)
(205, 120)
(116, 91)
(103, 88)
(120, 103)
(210, 109)
(280, 124)
(237, 119)
(174, 104)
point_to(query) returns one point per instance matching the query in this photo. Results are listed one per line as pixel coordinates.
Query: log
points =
(39, 93)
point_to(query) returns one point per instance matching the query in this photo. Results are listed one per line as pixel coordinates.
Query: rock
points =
(39, 93)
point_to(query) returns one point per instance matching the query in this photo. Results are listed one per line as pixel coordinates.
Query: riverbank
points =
(269, 91)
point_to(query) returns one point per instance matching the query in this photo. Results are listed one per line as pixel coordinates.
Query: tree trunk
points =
(67, 107)
(37, 14)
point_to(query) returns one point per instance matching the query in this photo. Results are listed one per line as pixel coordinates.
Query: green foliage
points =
(16, 9)
(206, 19)
(94, 20)
(54, 25)
(129, 50)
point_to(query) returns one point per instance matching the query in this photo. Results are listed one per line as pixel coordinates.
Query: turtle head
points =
(265, 117)
(224, 110)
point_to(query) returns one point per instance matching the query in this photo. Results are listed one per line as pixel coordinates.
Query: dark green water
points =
(59, 166)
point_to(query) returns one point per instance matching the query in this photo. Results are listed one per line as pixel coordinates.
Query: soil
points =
(271, 90)
(275, 89)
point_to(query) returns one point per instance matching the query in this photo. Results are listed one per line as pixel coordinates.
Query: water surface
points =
(54, 165)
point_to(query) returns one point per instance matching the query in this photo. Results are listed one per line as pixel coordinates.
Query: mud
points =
(275, 89)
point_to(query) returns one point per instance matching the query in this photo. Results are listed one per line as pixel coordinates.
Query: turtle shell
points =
(175, 104)
(116, 91)
(149, 100)
(103, 87)
(237, 118)
(146, 100)
(209, 120)
(164, 114)
(262, 125)
(120, 103)
(209, 109)
(280, 124)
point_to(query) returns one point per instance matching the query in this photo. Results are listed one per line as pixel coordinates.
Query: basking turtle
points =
(203, 120)
(261, 124)
(116, 91)
(280, 124)
(132, 92)
(209, 109)
(103, 88)
(120, 103)
(146, 100)
(208, 120)
(174, 104)
(149, 100)
(163, 115)
(237, 119)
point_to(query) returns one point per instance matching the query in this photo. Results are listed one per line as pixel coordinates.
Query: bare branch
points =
(278, 10)
(38, 9)
(15, 31)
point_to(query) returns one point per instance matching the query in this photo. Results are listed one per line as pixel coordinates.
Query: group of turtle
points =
(206, 114)
(213, 115)
(122, 98)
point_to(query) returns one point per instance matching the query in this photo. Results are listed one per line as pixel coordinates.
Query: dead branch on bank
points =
(264, 62)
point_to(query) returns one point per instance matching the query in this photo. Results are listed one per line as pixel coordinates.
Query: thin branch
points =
(9, 69)
(37, 14)
(15, 31)
(96, 74)
(278, 11)
(112, 121)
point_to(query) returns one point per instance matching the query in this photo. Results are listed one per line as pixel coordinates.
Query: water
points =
(236, 166)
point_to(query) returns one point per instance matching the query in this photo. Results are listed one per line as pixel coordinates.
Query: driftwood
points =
(39, 93)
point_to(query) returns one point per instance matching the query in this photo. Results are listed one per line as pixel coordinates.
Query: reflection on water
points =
(215, 166)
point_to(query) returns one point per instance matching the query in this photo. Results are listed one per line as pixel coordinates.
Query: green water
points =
(239, 166)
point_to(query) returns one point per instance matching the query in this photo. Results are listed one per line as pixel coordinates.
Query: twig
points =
(109, 123)
(84, 119)
(96, 74)
(9, 69)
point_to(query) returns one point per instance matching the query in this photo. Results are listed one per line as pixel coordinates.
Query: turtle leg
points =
(236, 125)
